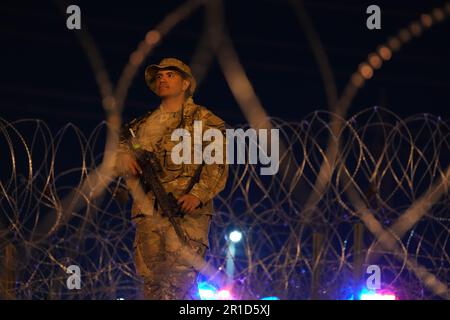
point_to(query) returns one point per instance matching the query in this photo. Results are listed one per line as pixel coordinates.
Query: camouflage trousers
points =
(160, 258)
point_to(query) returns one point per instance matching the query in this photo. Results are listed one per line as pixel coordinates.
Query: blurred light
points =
(404, 35)
(207, 294)
(136, 58)
(372, 295)
(270, 298)
(235, 236)
(394, 43)
(426, 20)
(366, 70)
(375, 61)
(224, 294)
(377, 296)
(153, 37)
(357, 80)
(415, 28)
(206, 291)
(143, 46)
(120, 299)
(438, 14)
(385, 53)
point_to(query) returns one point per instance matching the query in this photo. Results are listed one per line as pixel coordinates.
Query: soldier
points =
(158, 249)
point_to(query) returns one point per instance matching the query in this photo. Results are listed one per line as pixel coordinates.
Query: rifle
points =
(150, 166)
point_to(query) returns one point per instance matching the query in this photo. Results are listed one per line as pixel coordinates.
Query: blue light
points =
(270, 298)
(207, 291)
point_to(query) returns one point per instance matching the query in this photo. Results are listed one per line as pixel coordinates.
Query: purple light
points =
(207, 291)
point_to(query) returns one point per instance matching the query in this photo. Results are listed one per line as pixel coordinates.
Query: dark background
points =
(45, 73)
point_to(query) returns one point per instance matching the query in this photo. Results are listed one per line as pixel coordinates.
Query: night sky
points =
(45, 73)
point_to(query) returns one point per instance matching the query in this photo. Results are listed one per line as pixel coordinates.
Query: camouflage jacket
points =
(176, 177)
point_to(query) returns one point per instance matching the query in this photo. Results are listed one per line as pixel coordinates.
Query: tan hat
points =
(169, 63)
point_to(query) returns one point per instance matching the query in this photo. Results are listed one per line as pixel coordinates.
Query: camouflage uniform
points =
(157, 248)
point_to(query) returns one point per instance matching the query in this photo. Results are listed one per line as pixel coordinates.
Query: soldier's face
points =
(170, 83)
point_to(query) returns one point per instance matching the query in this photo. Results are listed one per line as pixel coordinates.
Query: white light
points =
(206, 291)
(235, 236)
(224, 294)
(206, 294)
(377, 296)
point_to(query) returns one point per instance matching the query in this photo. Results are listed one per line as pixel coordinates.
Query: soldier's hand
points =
(128, 164)
(188, 203)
